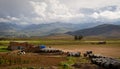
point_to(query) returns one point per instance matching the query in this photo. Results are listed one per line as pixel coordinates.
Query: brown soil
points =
(105, 50)
(36, 60)
(86, 66)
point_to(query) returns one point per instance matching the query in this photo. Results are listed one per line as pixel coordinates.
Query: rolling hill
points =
(105, 30)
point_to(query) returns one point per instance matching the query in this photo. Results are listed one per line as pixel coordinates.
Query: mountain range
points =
(86, 29)
(17, 30)
(106, 30)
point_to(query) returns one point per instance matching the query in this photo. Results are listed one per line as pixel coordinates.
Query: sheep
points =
(75, 54)
(89, 52)
(106, 62)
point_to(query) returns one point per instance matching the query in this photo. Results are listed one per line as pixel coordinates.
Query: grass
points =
(59, 42)
(72, 60)
(82, 60)
(67, 64)
(4, 49)
(112, 46)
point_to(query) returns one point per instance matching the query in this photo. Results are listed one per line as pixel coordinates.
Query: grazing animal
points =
(74, 54)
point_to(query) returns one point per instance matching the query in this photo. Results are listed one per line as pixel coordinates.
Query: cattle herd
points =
(59, 52)
(51, 51)
(102, 61)
(105, 62)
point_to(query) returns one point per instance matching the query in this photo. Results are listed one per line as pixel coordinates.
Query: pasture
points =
(110, 49)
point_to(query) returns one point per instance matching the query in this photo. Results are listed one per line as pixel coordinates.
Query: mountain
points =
(52, 28)
(46, 29)
(106, 30)
(17, 30)
(7, 27)
(11, 30)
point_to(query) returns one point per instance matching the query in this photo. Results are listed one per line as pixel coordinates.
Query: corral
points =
(20, 46)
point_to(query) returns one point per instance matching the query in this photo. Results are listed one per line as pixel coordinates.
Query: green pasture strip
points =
(4, 49)
(68, 42)
(59, 42)
(4, 43)
(56, 42)
(113, 42)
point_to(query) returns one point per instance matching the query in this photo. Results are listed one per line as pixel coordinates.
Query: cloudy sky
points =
(64, 11)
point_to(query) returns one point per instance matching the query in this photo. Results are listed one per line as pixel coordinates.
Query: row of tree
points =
(76, 37)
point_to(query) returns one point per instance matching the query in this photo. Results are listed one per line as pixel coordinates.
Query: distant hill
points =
(11, 30)
(16, 30)
(7, 27)
(53, 28)
(59, 37)
(105, 30)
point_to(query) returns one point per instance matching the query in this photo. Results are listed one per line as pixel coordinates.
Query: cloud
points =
(39, 8)
(49, 11)
(76, 4)
(9, 19)
(53, 11)
(111, 15)
(4, 20)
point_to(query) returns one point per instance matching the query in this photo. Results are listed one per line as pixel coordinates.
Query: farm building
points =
(20, 46)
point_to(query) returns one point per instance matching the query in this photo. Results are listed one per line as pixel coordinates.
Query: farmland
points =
(110, 49)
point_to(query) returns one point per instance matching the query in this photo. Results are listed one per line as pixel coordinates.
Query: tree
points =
(75, 37)
(78, 37)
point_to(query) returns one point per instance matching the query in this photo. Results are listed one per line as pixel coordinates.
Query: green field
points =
(58, 42)
(82, 45)
(3, 49)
